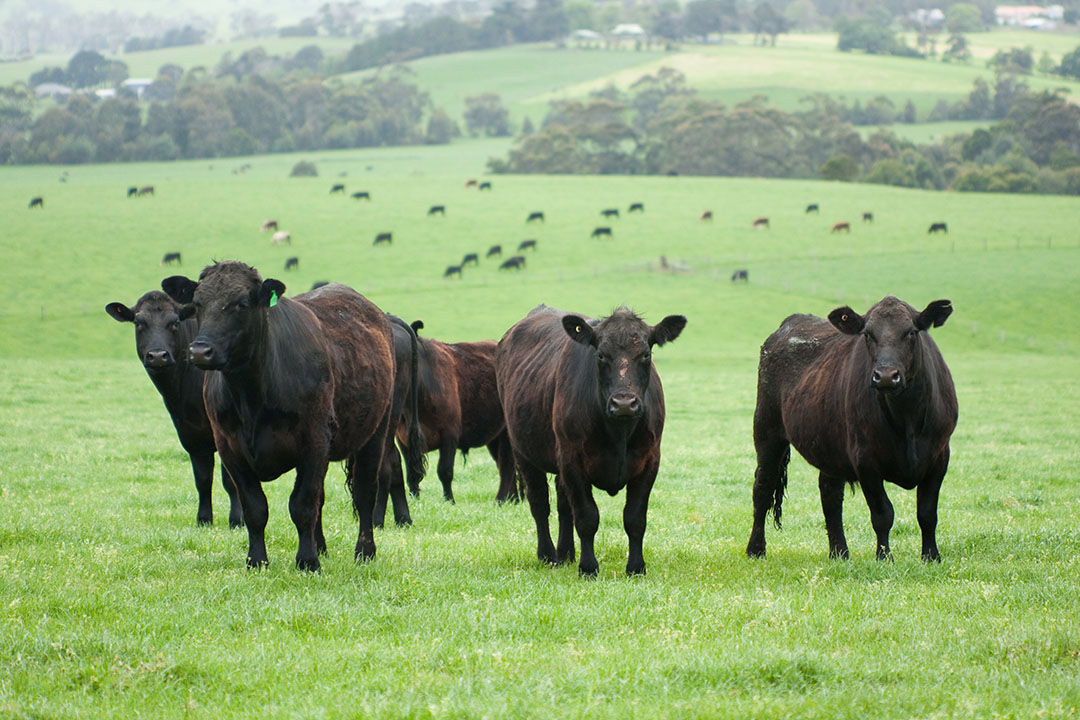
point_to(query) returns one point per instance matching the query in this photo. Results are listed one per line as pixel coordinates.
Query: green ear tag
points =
(273, 298)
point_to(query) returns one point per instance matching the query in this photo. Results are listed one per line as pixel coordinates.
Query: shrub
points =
(839, 167)
(304, 168)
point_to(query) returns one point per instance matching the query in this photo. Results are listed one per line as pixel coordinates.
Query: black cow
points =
(936, 227)
(527, 245)
(318, 284)
(515, 263)
(636, 207)
(338, 188)
(705, 216)
(132, 192)
(494, 251)
(459, 409)
(864, 399)
(868, 217)
(597, 232)
(170, 258)
(484, 185)
(760, 222)
(437, 210)
(535, 216)
(146, 190)
(384, 237)
(293, 262)
(37, 202)
(361, 195)
(163, 330)
(743, 275)
(812, 208)
(299, 382)
(583, 401)
(610, 212)
(470, 258)
(452, 270)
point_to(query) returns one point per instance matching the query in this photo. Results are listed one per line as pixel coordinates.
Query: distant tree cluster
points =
(175, 37)
(661, 127)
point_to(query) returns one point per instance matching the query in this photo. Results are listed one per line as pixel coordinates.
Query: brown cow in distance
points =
(459, 409)
(760, 222)
(583, 402)
(268, 225)
(843, 225)
(864, 399)
(707, 215)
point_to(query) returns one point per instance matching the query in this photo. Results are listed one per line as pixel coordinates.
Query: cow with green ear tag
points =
(865, 399)
(293, 383)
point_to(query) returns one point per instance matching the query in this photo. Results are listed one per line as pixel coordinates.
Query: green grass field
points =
(113, 603)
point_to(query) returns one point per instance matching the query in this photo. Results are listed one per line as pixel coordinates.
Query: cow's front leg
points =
(831, 490)
(305, 507)
(564, 550)
(634, 514)
(586, 517)
(927, 504)
(253, 506)
(881, 512)
(202, 467)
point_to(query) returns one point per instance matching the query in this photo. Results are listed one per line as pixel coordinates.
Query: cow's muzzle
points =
(887, 379)
(158, 359)
(202, 354)
(624, 406)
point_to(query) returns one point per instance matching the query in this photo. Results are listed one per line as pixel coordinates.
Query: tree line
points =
(660, 126)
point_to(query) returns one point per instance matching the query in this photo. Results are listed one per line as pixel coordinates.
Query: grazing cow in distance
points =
(494, 251)
(597, 232)
(132, 192)
(170, 258)
(452, 270)
(812, 208)
(37, 202)
(843, 225)
(437, 210)
(936, 227)
(864, 399)
(536, 215)
(610, 212)
(338, 188)
(163, 330)
(459, 409)
(472, 258)
(485, 185)
(743, 275)
(471, 182)
(760, 222)
(318, 284)
(527, 245)
(300, 382)
(707, 215)
(384, 237)
(515, 263)
(293, 262)
(636, 207)
(146, 190)
(361, 195)
(268, 225)
(583, 402)
(281, 237)
(868, 217)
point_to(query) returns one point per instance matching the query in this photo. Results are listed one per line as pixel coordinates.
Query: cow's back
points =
(481, 411)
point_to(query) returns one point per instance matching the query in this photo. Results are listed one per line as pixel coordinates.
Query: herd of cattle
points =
(274, 383)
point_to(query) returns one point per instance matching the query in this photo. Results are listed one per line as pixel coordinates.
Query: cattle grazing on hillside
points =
(515, 263)
(459, 409)
(452, 270)
(470, 259)
(938, 227)
(300, 382)
(536, 215)
(268, 225)
(281, 237)
(705, 216)
(583, 401)
(485, 185)
(361, 195)
(132, 192)
(170, 258)
(843, 225)
(636, 207)
(146, 190)
(527, 245)
(37, 202)
(494, 251)
(812, 208)
(293, 262)
(384, 237)
(437, 210)
(610, 212)
(864, 399)
(338, 188)
(743, 275)
(868, 217)
(471, 182)
(163, 330)
(760, 222)
(597, 232)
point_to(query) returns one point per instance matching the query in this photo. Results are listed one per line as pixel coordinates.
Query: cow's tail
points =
(781, 486)
(415, 455)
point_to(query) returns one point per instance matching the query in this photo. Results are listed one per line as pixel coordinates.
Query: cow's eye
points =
(645, 358)
(603, 358)
(174, 325)
(140, 324)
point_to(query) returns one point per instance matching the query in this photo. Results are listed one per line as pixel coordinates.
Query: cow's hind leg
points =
(508, 476)
(305, 508)
(564, 549)
(832, 505)
(536, 491)
(363, 481)
(446, 467)
(770, 481)
(391, 488)
(236, 513)
(881, 512)
(202, 467)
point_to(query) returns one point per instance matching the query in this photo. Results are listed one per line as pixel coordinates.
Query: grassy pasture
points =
(114, 603)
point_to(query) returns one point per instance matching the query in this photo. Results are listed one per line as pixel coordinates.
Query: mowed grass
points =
(115, 603)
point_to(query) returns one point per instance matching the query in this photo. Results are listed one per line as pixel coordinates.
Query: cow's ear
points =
(578, 329)
(186, 312)
(120, 312)
(270, 291)
(417, 326)
(667, 329)
(847, 320)
(935, 315)
(179, 288)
